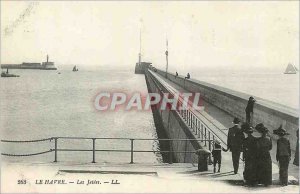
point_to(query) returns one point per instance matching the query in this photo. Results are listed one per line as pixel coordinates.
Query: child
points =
(283, 154)
(216, 154)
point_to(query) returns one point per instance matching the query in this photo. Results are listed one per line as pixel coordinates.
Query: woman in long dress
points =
(264, 162)
(249, 156)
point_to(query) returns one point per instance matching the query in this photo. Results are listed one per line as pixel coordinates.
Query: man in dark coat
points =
(249, 155)
(235, 143)
(249, 110)
(283, 155)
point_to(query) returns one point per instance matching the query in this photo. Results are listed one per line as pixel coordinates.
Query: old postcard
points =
(149, 97)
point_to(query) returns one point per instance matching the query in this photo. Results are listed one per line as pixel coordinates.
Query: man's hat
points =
(261, 128)
(280, 131)
(236, 120)
(246, 128)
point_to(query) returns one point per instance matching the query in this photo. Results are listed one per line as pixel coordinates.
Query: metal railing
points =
(132, 150)
(199, 126)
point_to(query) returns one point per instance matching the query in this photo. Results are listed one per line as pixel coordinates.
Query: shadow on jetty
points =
(161, 133)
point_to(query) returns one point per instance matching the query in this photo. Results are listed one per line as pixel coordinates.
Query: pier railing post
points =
(209, 158)
(205, 136)
(189, 118)
(201, 131)
(170, 152)
(94, 148)
(186, 115)
(193, 122)
(55, 149)
(196, 121)
(209, 141)
(131, 151)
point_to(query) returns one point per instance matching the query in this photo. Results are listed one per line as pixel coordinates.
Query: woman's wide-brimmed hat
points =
(246, 128)
(236, 120)
(261, 128)
(280, 131)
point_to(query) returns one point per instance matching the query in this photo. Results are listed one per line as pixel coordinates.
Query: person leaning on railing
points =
(176, 74)
(249, 110)
(188, 76)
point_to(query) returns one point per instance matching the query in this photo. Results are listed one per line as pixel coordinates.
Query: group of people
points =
(256, 150)
(188, 76)
(256, 153)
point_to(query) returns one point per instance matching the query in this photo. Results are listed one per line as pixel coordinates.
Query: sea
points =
(272, 85)
(42, 104)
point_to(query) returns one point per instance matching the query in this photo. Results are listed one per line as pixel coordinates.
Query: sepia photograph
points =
(149, 96)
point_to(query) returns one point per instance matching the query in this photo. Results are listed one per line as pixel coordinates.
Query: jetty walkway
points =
(222, 120)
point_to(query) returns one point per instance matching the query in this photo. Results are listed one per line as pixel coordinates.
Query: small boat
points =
(6, 74)
(75, 68)
(291, 69)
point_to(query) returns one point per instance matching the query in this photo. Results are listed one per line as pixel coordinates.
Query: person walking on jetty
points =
(249, 110)
(264, 162)
(217, 155)
(176, 74)
(249, 155)
(283, 154)
(296, 159)
(234, 143)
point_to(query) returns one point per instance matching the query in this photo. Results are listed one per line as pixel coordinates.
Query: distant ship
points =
(43, 66)
(6, 74)
(291, 69)
(75, 68)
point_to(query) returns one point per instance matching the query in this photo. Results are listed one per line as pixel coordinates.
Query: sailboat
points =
(75, 68)
(291, 69)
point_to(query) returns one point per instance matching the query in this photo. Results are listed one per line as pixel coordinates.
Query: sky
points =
(218, 34)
